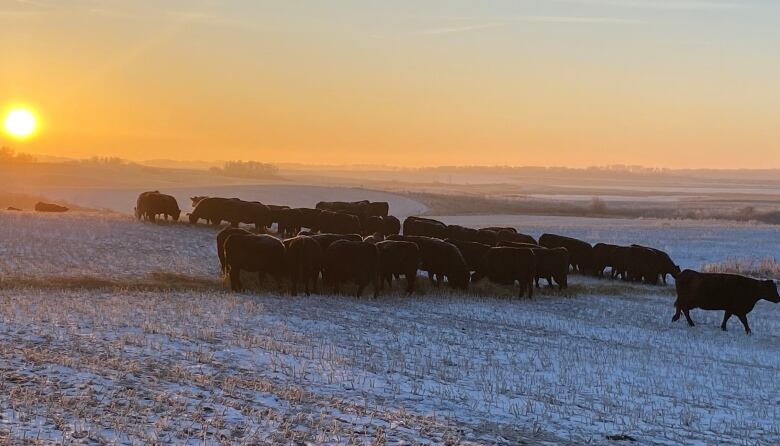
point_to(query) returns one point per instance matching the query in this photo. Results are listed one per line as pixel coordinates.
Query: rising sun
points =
(20, 123)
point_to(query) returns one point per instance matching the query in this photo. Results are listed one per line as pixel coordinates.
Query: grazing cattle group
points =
(359, 242)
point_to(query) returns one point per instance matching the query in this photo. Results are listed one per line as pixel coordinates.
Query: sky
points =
(660, 83)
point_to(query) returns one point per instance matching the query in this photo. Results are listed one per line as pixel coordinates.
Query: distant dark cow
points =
(620, 260)
(151, 204)
(304, 262)
(339, 223)
(197, 199)
(371, 225)
(580, 253)
(352, 261)
(310, 218)
(734, 294)
(508, 236)
(662, 263)
(488, 237)
(506, 265)
(647, 264)
(343, 206)
(378, 209)
(391, 225)
(140, 204)
(276, 214)
(374, 238)
(11, 208)
(49, 207)
(457, 232)
(426, 227)
(551, 263)
(473, 253)
(603, 257)
(263, 254)
(398, 258)
(216, 210)
(289, 222)
(326, 239)
(253, 213)
(440, 259)
(498, 229)
(360, 209)
(221, 237)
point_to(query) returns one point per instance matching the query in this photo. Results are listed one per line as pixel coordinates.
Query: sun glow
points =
(20, 123)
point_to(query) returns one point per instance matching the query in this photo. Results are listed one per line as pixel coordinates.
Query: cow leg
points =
(360, 289)
(377, 284)
(726, 317)
(687, 314)
(664, 278)
(431, 278)
(410, 279)
(549, 281)
(314, 277)
(235, 279)
(677, 315)
(536, 279)
(743, 319)
(531, 289)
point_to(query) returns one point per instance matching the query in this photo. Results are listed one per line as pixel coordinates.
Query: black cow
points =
(356, 261)
(304, 262)
(506, 265)
(151, 204)
(580, 252)
(734, 294)
(339, 223)
(425, 227)
(310, 218)
(440, 259)
(263, 254)
(49, 207)
(473, 252)
(603, 257)
(551, 263)
(391, 225)
(221, 237)
(398, 258)
(662, 263)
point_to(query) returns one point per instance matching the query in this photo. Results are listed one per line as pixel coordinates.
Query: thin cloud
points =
(661, 4)
(461, 29)
(535, 19)
(577, 19)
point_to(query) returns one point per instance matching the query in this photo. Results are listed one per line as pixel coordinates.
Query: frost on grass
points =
(764, 267)
(145, 346)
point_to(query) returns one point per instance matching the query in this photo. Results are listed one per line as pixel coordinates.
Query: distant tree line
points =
(247, 169)
(9, 156)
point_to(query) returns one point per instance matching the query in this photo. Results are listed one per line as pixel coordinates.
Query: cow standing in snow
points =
(734, 294)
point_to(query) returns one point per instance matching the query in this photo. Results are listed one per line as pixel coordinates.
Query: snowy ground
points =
(95, 349)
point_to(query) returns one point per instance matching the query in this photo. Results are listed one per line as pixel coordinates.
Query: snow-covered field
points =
(95, 349)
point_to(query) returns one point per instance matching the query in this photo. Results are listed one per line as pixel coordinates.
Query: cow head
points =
(770, 291)
(193, 219)
(176, 215)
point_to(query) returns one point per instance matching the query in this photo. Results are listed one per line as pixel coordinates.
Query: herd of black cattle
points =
(360, 242)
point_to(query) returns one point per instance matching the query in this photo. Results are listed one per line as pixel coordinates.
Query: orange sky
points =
(672, 83)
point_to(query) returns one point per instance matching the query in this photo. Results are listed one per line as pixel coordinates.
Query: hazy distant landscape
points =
(611, 192)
